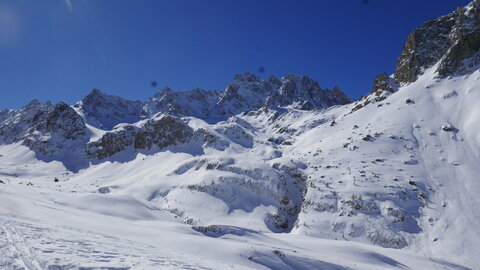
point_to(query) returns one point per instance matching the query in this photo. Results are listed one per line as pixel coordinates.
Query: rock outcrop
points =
(16, 124)
(168, 131)
(246, 92)
(304, 93)
(46, 128)
(105, 111)
(451, 42)
(62, 129)
(197, 102)
(384, 83)
(383, 87)
(162, 133)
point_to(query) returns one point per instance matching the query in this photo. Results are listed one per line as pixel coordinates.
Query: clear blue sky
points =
(61, 49)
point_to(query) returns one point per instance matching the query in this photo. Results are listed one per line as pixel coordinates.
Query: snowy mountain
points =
(276, 173)
(106, 111)
(246, 92)
(450, 42)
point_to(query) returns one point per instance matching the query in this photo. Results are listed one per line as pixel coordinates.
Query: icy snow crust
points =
(393, 185)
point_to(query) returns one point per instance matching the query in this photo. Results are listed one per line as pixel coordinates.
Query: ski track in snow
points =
(26, 245)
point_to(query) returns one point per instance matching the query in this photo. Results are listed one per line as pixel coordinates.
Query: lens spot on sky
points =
(9, 26)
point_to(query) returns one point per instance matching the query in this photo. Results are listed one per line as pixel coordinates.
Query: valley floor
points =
(39, 231)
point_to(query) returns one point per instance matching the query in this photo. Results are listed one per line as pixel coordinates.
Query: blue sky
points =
(61, 49)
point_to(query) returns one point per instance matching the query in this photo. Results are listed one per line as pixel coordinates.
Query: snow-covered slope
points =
(274, 173)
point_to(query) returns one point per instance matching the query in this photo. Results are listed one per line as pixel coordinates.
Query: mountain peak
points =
(105, 111)
(245, 92)
(303, 92)
(247, 77)
(451, 42)
(96, 91)
(274, 80)
(164, 91)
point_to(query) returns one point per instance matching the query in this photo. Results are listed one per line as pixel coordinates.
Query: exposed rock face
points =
(17, 123)
(383, 86)
(105, 111)
(164, 132)
(245, 93)
(465, 36)
(58, 130)
(198, 103)
(453, 41)
(305, 93)
(382, 83)
(45, 128)
(4, 115)
(168, 131)
(164, 101)
(110, 143)
(339, 96)
(249, 92)
(52, 130)
(64, 121)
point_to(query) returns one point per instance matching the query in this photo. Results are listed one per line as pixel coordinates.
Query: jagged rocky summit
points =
(59, 129)
(451, 43)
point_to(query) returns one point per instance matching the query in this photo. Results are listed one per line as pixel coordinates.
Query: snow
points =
(406, 198)
(38, 231)
(266, 174)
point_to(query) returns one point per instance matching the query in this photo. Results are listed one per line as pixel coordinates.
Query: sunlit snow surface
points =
(140, 211)
(40, 231)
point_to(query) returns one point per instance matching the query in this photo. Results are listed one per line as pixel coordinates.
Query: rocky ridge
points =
(246, 92)
(50, 129)
(450, 42)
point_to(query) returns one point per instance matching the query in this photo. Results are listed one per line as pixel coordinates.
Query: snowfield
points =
(48, 228)
(266, 174)
(411, 185)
